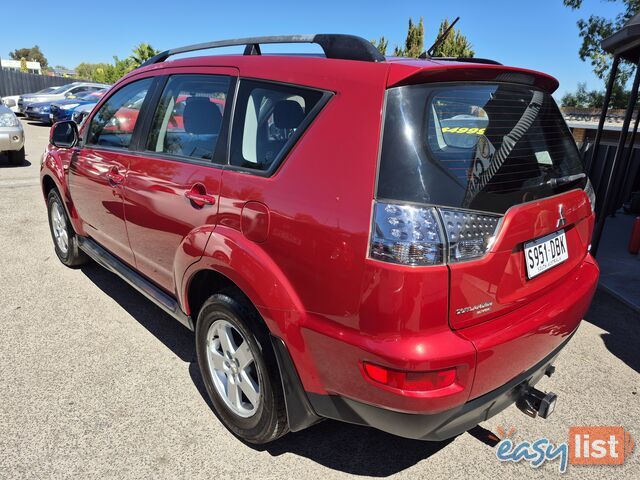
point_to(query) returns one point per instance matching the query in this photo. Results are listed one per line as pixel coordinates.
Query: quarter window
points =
(113, 124)
(188, 119)
(267, 122)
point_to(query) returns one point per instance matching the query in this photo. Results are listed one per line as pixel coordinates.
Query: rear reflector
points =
(413, 381)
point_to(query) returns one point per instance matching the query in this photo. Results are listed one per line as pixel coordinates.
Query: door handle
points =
(199, 197)
(114, 176)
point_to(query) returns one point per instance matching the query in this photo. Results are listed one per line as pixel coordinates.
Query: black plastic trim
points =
(300, 413)
(163, 300)
(433, 427)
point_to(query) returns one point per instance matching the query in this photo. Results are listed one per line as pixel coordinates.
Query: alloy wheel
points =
(233, 368)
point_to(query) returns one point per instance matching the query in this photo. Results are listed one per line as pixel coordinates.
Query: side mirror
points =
(64, 134)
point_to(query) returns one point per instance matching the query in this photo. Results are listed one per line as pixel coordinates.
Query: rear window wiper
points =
(556, 182)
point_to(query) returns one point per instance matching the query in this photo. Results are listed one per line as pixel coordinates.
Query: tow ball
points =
(534, 402)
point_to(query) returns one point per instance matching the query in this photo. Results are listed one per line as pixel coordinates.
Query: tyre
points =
(16, 157)
(239, 369)
(64, 238)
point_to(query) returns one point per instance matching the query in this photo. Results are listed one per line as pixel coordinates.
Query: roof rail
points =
(345, 47)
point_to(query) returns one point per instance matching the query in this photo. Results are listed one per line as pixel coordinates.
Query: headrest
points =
(287, 114)
(201, 116)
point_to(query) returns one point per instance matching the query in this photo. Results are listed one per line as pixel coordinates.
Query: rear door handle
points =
(199, 197)
(114, 176)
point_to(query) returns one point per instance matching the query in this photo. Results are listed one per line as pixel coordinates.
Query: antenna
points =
(439, 40)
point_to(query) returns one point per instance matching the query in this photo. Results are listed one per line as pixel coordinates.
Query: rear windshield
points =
(478, 146)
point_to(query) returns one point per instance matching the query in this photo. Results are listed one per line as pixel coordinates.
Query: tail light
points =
(430, 235)
(413, 381)
(591, 193)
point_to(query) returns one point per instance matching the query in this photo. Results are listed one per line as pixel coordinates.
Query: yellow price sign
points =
(464, 130)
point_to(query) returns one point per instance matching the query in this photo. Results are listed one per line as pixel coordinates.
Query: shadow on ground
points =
(4, 163)
(339, 446)
(622, 325)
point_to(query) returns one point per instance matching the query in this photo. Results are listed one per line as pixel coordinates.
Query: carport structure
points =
(611, 174)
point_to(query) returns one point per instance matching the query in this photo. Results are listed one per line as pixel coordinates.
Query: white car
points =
(11, 101)
(11, 136)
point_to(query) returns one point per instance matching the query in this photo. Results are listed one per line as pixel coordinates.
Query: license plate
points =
(51, 116)
(544, 253)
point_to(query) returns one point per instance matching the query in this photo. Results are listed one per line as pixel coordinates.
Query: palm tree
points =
(142, 53)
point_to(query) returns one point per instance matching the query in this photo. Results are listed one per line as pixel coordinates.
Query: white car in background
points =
(11, 101)
(11, 136)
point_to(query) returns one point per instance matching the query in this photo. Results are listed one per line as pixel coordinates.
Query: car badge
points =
(561, 221)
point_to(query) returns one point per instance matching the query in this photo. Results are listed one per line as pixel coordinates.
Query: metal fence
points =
(627, 182)
(18, 83)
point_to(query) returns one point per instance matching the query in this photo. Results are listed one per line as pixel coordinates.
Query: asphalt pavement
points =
(96, 382)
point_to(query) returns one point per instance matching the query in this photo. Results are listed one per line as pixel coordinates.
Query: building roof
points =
(626, 41)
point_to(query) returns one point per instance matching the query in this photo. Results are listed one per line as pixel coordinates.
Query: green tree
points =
(92, 71)
(414, 43)
(454, 45)
(23, 65)
(583, 98)
(381, 45)
(33, 54)
(142, 53)
(596, 28)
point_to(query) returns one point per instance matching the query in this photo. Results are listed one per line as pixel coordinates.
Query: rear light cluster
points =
(425, 235)
(591, 193)
(412, 381)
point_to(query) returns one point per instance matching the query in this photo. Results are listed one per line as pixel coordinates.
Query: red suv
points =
(400, 243)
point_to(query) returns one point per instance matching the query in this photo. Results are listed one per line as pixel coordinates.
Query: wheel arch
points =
(232, 261)
(52, 176)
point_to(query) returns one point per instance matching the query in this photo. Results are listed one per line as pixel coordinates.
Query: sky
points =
(541, 35)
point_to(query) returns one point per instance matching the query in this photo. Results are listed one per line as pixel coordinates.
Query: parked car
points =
(80, 113)
(63, 109)
(66, 91)
(38, 111)
(11, 101)
(11, 136)
(336, 262)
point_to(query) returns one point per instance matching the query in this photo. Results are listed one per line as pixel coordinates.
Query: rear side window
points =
(188, 119)
(482, 147)
(267, 121)
(113, 124)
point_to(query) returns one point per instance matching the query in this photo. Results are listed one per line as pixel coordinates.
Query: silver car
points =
(66, 91)
(11, 136)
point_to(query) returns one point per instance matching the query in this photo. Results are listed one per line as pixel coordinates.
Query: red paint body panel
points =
(510, 344)
(98, 201)
(500, 277)
(296, 243)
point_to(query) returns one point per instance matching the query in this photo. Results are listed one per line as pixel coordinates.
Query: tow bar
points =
(534, 402)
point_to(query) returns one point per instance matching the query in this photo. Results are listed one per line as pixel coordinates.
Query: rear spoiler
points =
(407, 74)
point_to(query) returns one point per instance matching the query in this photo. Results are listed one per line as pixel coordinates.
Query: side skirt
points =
(105, 259)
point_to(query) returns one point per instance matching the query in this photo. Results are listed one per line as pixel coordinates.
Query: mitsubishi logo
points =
(561, 221)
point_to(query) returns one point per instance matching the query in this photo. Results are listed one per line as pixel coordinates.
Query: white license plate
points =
(544, 253)
(51, 116)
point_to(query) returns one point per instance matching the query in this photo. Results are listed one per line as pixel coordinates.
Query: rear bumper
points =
(486, 356)
(439, 426)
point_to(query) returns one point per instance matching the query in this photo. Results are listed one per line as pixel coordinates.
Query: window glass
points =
(267, 117)
(480, 146)
(113, 124)
(188, 119)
